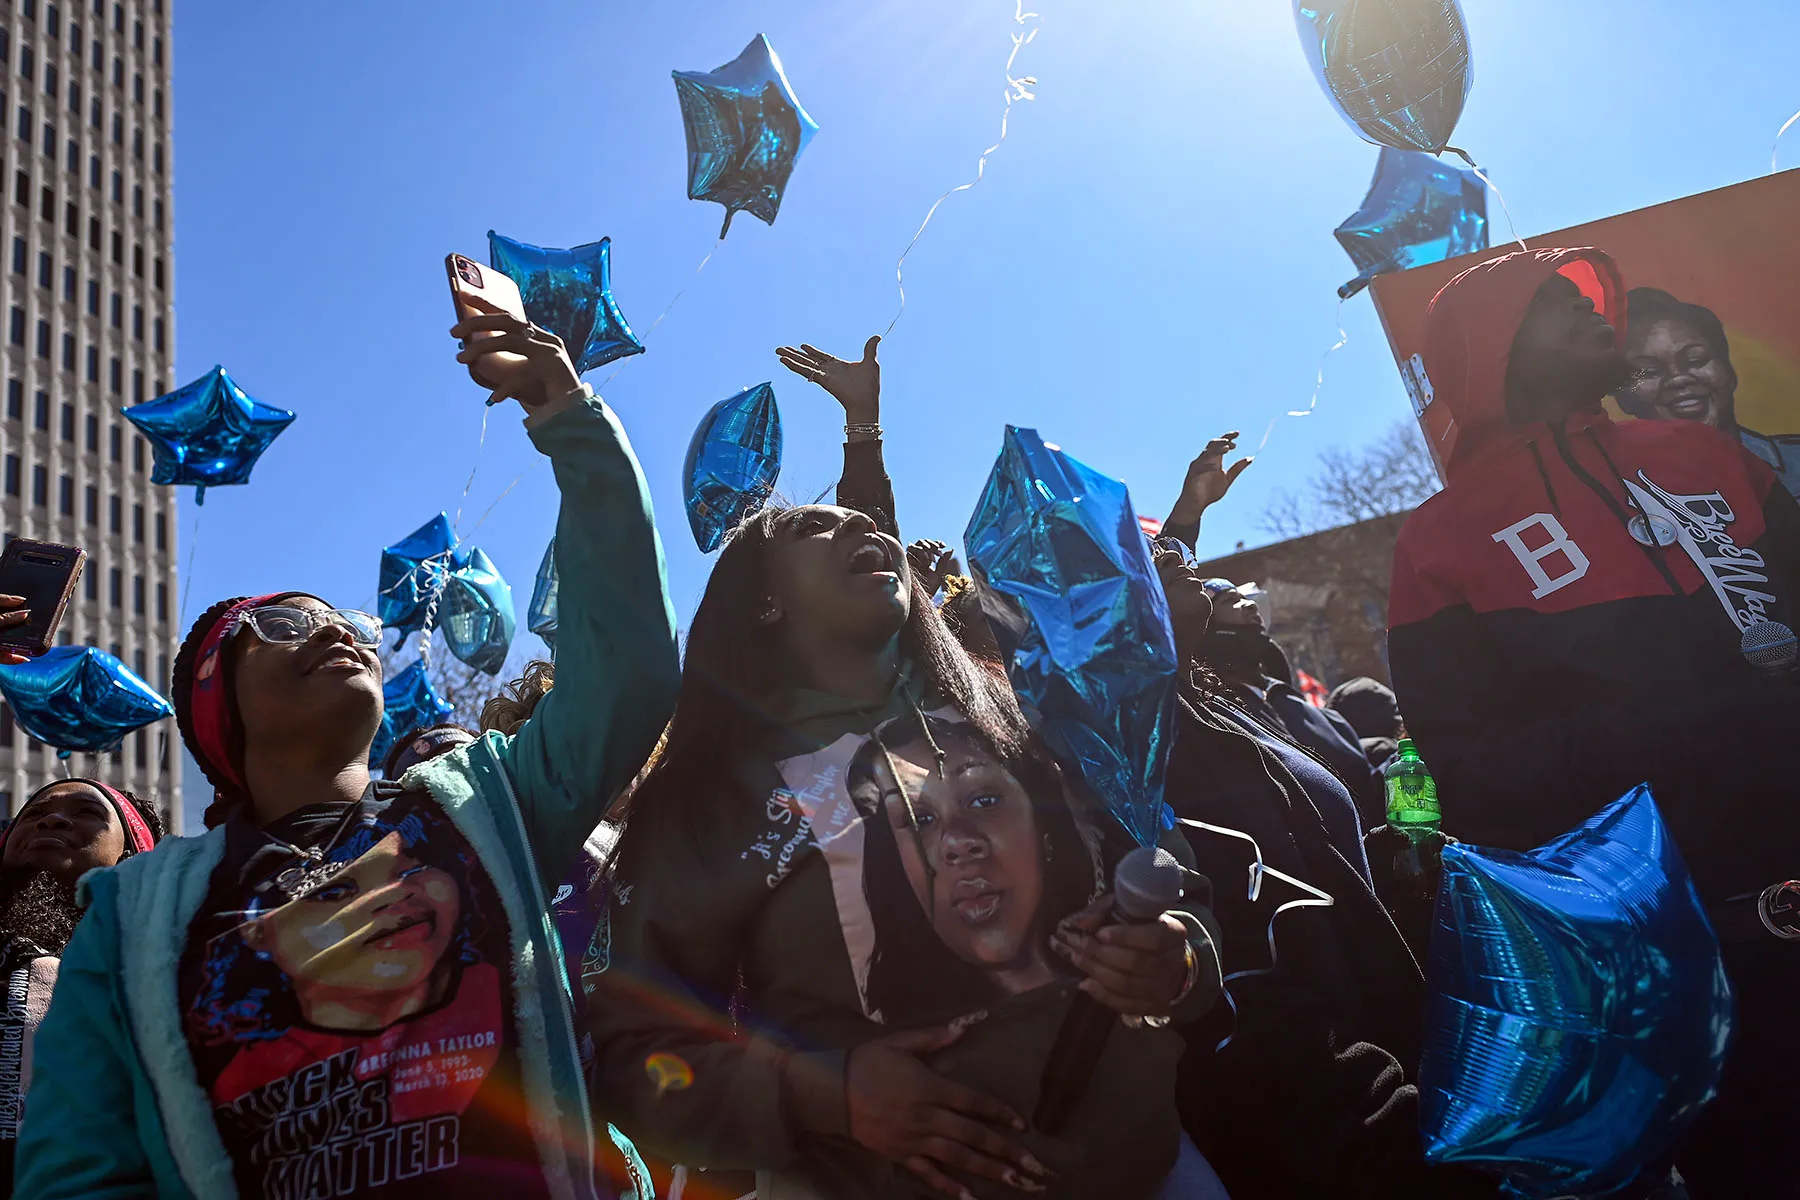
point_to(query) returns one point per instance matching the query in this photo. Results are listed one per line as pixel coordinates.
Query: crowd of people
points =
(802, 912)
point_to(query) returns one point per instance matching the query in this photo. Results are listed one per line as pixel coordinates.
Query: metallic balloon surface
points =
(413, 570)
(732, 464)
(1059, 542)
(1419, 210)
(208, 433)
(80, 698)
(569, 292)
(478, 618)
(745, 128)
(1579, 1012)
(1398, 70)
(409, 703)
(541, 617)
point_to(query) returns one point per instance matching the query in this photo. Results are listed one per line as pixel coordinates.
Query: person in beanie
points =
(350, 987)
(66, 829)
(423, 745)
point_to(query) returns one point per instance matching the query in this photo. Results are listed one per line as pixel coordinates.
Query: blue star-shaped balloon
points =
(1419, 210)
(541, 618)
(80, 698)
(569, 292)
(1579, 1011)
(1397, 70)
(409, 702)
(413, 570)
(732, 464)
(1059, 543)
(208, 433)
(478, 616)
(745, 128)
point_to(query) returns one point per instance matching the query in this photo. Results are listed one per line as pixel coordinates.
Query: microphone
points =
(1146, 884)
(1770, 647)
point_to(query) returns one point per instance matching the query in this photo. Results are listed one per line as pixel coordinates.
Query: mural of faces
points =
(1680, 368)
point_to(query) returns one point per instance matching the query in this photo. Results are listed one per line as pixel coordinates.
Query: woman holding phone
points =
(407, 1033)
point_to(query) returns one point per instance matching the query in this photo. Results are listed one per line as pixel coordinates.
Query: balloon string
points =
(187, 573)
(1017, 88)
(1775, 146)
(1498, 194)
(1318, 382)
(667, 309)
(1259, 870)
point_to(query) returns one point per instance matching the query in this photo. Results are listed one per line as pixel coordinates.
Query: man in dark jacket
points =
(1565, 623)
(1372, 710)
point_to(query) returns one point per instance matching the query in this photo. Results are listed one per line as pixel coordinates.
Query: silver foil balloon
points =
(1058, 543)
(732, 464)
(569, 292)
(745, 128)
(1419, 210)
(1398, 70)
(208, 433)
(540, 618)
(478, 613)
(80, 698)
(1579, 1013)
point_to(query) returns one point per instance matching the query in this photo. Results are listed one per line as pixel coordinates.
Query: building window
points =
(96, 60)
(157, 338)
(137, 35)
(156, 158)
(137, 455)
(137, 599)
(162, 531)
(118, 187)
(137, 201)
(25, 124)
(68, 355)
(137, 87)
(12, 474)
(118, 129)
(94, 233)
(137, 386)
(90, 581)
(117, 443)
(118, 310)
(47, 204)
(137, 264)
(93, 433)
(94, 170)
(15, 400)
(156, 211)
(72, 157)
(116, 371)
(43, 339)
(156, 103)
(118, 247)
(93, 304)
(75, 99)
(93, 506)
(69, 284)
(159, 274)
(46, 269)
(118, 71)
(49, 144)
(21, 253)
(71, 221)
(115, 589)
(93, 364)
(140, 750)
(114, 511)
(40, 410)
(162, 602)
(40, 486)
(27, 62)
(65, 495)
(68, 422)
(16, 329)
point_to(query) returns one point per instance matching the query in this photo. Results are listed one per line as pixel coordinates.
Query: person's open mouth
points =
(976, 901)
(340, 658)
(1692, 406)
(872, 555)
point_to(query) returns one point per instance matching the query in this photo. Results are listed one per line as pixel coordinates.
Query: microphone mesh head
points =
(1146, 884)
(1769, 646)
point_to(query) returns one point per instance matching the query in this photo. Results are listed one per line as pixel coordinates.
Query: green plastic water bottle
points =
(1412, 799)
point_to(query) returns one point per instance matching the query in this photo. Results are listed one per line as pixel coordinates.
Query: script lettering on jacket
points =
(12, 1054)
(321, 1132)
(1738, 575)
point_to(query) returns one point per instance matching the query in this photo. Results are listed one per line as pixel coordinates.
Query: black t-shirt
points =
(347, 996)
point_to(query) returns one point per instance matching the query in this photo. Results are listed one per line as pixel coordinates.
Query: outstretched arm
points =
(865, 485)
(1208, 479)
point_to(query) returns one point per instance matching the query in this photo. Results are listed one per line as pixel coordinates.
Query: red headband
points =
(211, 715)
(137, 830)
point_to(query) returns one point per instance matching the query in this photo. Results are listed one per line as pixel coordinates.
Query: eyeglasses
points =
(285, 624)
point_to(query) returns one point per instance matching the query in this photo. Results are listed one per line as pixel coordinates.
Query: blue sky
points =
(1149, 260)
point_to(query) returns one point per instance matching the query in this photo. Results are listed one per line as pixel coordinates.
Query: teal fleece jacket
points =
(115, 1108)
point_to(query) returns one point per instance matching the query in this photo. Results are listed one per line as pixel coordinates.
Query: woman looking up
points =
(347, 987)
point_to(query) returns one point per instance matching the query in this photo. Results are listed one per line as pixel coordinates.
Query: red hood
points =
(1469, 331)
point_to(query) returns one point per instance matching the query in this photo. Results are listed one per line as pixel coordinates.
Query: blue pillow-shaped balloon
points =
(1397, 70)
(1419, 210)
(732, 464)
(80, 698)
(208, 433)
(1579, 1013)
(745, 128)
(410, 702)
(569, 292)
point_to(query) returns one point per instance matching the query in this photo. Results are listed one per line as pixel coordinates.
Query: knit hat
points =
(423, 745)
(138, 835)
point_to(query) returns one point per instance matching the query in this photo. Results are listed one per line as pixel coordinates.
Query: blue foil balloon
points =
(569, 292)
(208, 433)
(409, 702)
(732, 464)
(80, 698)
(745, 128)
(1397, 70)
(1060, 543)
(413, 569)
(1579, 1013)
(541, 618)
(1419, 210)
(478, 616)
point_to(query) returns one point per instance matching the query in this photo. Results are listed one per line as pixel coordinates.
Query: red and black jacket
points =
(1547, 660)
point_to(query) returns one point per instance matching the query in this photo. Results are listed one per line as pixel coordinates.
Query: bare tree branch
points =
(457, 683)
(1389, 475)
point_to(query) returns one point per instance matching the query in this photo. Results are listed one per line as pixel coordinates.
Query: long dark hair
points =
(913, 977)
(734, 672)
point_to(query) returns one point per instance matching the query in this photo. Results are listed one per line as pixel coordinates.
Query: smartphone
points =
(45, 574)
(476, 291)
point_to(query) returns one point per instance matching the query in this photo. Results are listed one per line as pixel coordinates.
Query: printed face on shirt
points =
(363, 948)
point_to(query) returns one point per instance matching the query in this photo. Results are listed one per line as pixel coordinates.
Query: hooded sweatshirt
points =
(1546, 659)
(752, 945)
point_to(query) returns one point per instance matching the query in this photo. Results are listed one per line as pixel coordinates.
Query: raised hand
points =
(546, 375)
(855, 385)
(909, 1114)
(1208, 479)
(931, 561)
(1139, 970)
